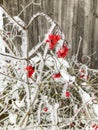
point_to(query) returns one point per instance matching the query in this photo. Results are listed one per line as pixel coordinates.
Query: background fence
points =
(75, 17)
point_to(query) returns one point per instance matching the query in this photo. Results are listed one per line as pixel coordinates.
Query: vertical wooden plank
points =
(79, 26)
(95, 44)
(26, 15)
(11, 6)
(56, 12)
(64, 17)
(50, 8)
(69, 20)
(74, 27)
(92, 30)
(43, 22)
(87, 27)
(60, 11)
(35, 27)
(1, 1)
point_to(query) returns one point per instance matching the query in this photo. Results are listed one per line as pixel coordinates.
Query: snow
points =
(86, 98)
(12, 118)
(64, 90)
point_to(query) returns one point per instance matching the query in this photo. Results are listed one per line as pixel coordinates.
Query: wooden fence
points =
(75, 17)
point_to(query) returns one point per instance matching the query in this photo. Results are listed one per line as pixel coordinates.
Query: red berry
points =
(45, 109)
(94, 125)
(58, 37)
(57, 75)
(62, 52)
(67, 94)
(87, 77)
(30, 70)
(51, 46)
(52, 40)
(71, 125)
(82, 75)
(82, 70)
(8, 33)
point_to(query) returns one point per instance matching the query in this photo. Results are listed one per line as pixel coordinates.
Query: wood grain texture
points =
(95, 44)
(75, 17)
(12, 6)
(1, 1)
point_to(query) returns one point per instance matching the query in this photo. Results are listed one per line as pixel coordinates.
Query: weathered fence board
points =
(95, 43)
(76, 18)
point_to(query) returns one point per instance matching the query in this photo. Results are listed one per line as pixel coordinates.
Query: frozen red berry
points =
(67, 94)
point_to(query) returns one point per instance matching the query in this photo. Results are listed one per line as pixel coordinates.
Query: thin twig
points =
(32, 2)
(13, 78)
(11, 56)
(78, 48)
(6, 12)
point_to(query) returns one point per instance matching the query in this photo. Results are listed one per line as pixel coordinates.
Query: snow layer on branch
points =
(59, 62)
(12, 118)
(24, 43)
(19, 20)
(11, 19)
(85, 97)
